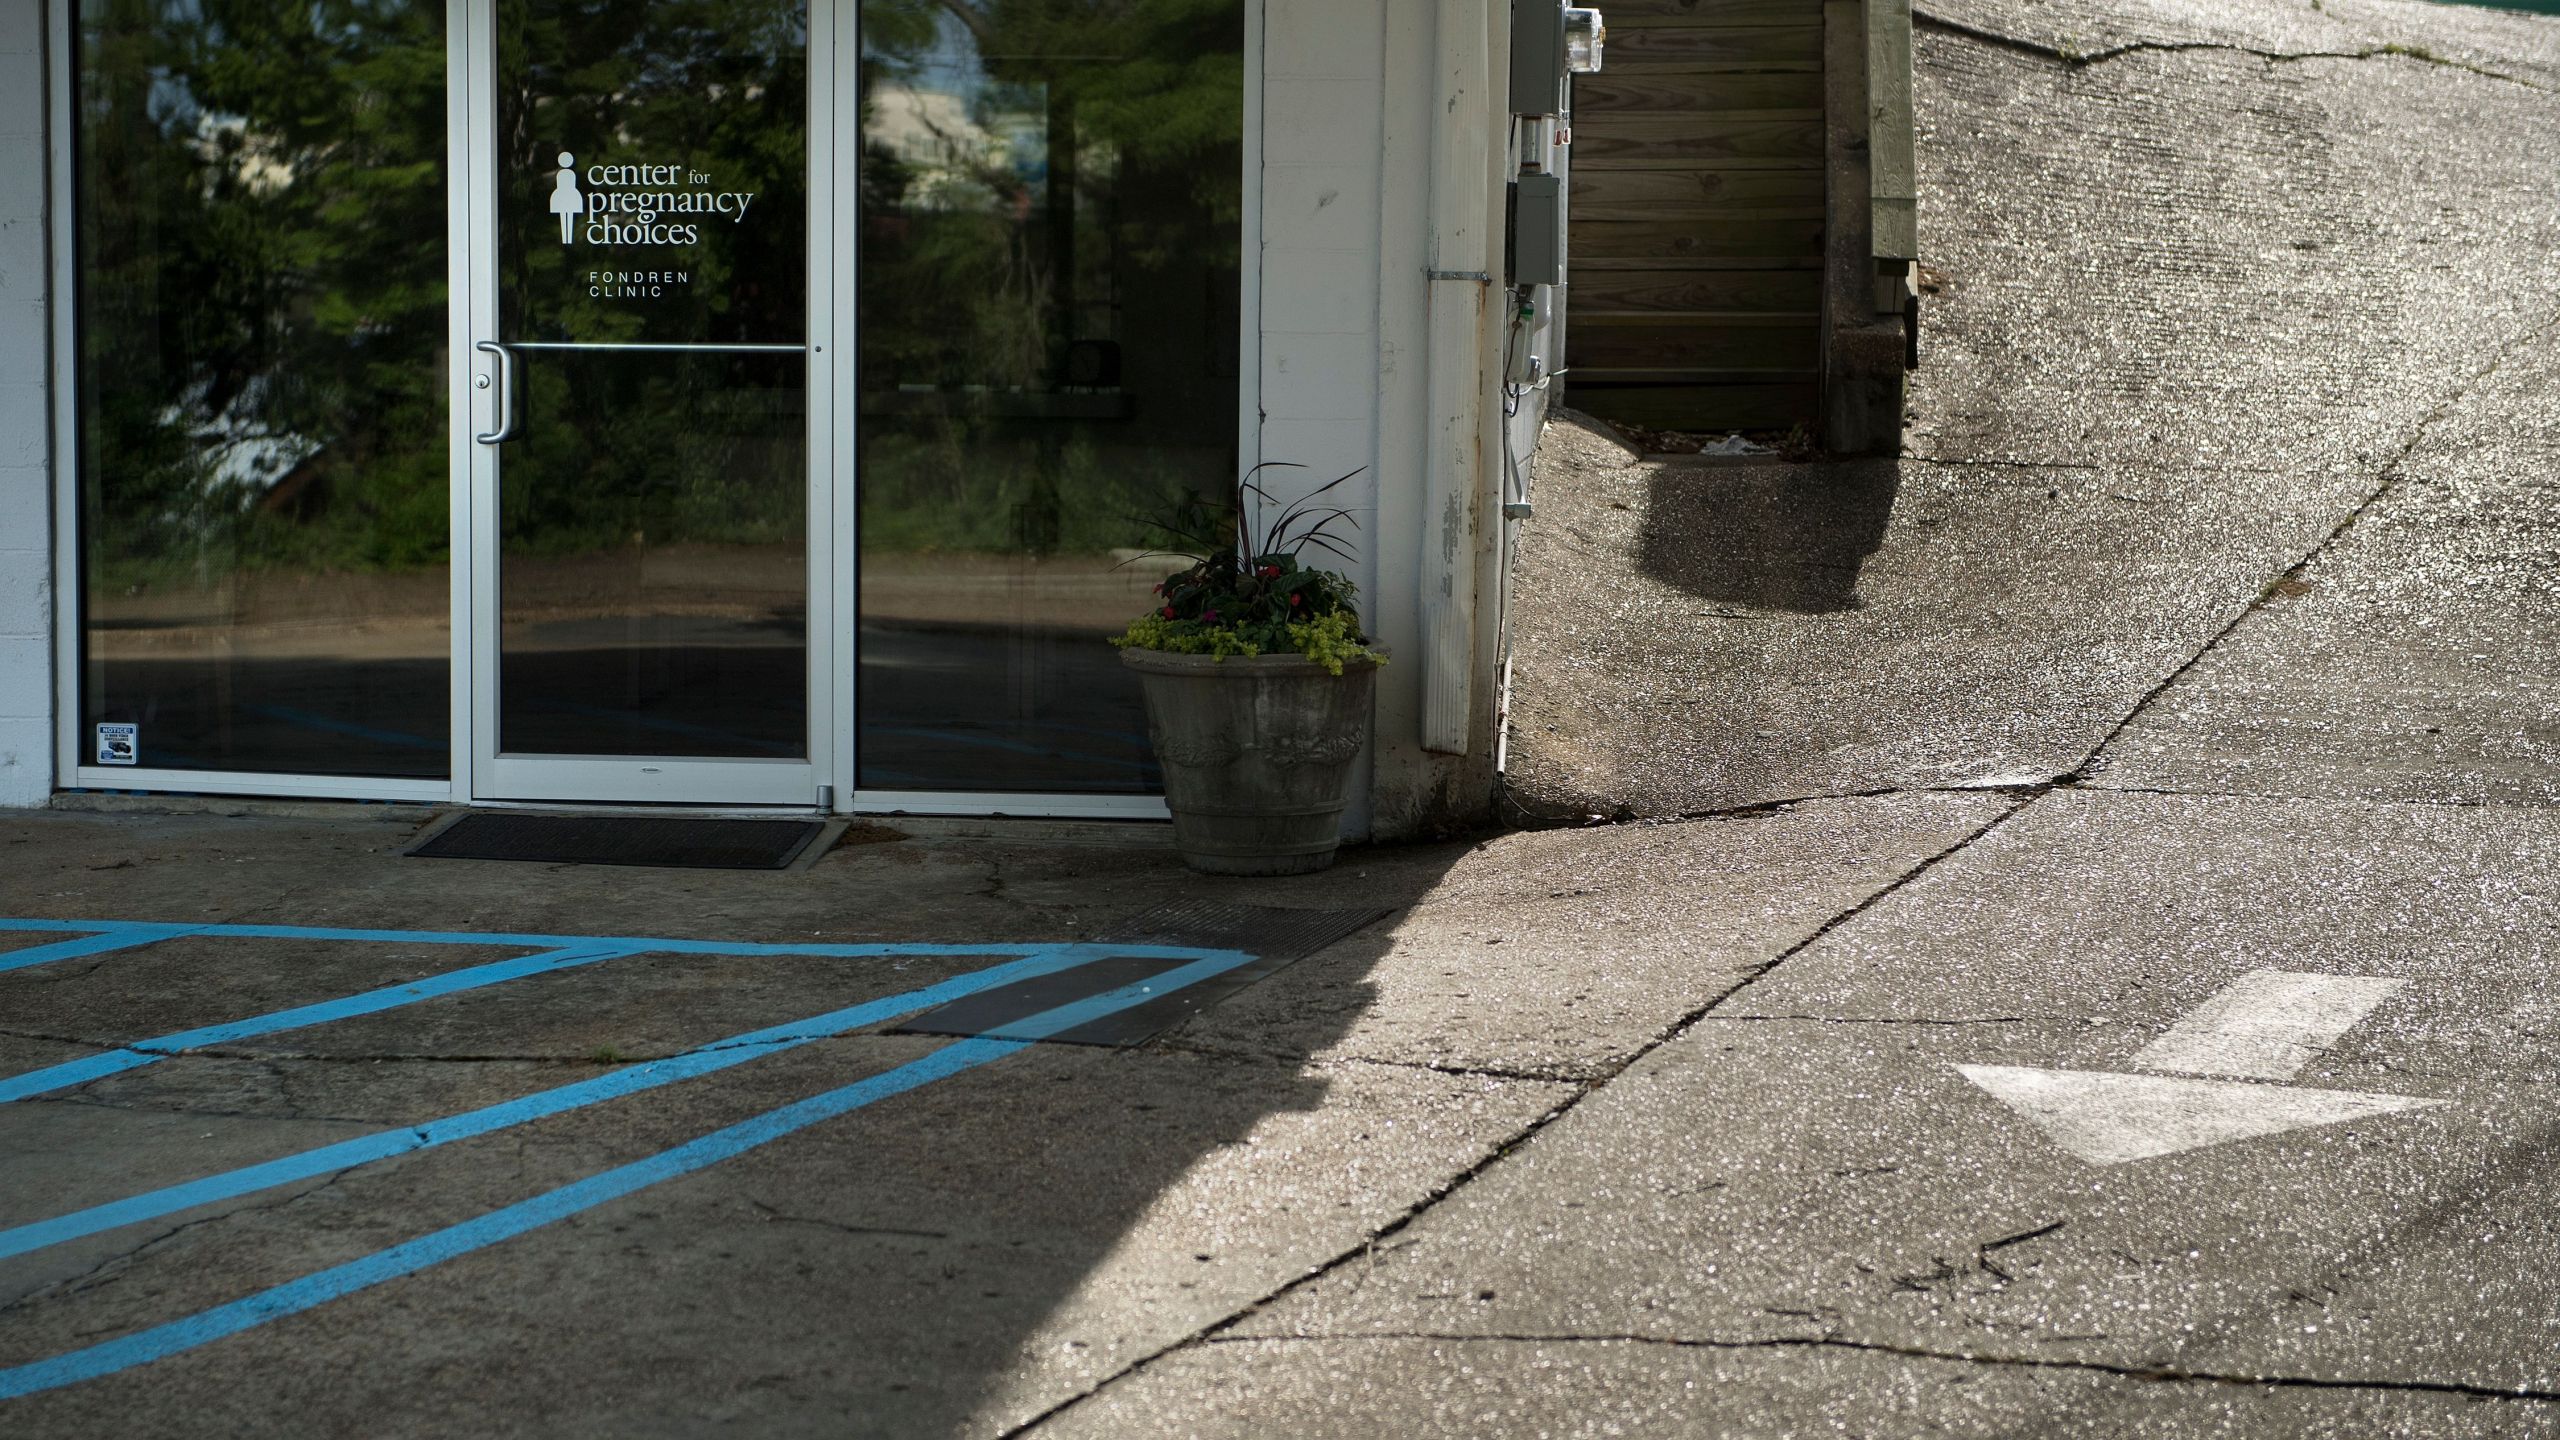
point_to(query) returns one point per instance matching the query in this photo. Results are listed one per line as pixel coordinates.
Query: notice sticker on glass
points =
(119, 744)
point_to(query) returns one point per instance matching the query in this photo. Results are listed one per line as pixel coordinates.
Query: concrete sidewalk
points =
(956, 1259)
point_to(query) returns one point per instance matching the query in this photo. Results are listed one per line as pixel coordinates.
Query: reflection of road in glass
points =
(656, 684)
(932, 716)
(313, 715)
(929, 725)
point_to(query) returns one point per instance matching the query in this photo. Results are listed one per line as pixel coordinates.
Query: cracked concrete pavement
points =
(2218, 560)
(2205, 628)
(959, 1262)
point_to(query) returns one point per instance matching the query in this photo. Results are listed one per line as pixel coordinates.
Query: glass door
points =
(647, 385)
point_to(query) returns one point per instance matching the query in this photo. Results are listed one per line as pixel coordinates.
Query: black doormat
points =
(683, 843)
(1273, 936)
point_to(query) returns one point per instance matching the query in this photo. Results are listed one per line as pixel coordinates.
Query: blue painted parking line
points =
(568, 952)
(106, 942)
(702, 1060)
(634, 944)
(370, 1002)
(311, 1291)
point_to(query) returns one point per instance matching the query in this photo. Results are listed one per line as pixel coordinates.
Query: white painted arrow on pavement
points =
(2108, 1119)
(2268, 1023)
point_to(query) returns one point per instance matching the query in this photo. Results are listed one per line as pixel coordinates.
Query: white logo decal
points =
(627, 205)
(566, 201)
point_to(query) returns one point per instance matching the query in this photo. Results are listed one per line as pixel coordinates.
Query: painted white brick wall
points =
(26, 528)
(1345, 327)
(1323, 99)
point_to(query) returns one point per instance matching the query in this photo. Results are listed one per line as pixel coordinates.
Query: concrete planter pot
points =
(1257, 753)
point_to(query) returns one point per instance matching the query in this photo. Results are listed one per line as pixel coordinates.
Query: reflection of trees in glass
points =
(262, 291)
(1039, 177)
(719, 87)
(661, 448)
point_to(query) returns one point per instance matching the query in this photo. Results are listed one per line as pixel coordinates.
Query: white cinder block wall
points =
(1322, 96)
(26, 482)
(1344, 311)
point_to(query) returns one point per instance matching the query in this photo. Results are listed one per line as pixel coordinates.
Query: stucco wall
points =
(26, 560)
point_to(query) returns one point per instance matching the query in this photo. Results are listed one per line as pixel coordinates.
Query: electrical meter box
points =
(1537, 230)
(1537, 57)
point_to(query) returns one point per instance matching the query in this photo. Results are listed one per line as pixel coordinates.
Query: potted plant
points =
(1258, 680)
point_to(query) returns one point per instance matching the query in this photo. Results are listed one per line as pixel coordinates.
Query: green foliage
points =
(1039, 175)
(1330, 640)
(1252, 592)
(263, 317)
(262, 314)
(951, 486)
(656, 449)
(1185, 637)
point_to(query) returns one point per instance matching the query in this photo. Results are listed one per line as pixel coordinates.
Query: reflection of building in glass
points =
(947, 155)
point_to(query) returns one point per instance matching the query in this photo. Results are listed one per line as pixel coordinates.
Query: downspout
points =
(1461, 137)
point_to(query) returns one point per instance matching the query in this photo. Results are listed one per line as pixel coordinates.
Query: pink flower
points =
(1168, 612)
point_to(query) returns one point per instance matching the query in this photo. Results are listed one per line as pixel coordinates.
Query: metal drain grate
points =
(1273, 936)
(689, 844)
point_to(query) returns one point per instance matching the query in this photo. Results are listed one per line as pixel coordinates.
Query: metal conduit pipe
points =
(1463, 111)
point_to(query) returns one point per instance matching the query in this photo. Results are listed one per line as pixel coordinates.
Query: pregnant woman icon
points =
(566, 200)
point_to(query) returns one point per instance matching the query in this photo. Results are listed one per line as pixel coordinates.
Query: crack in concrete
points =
(1758, 809)
(2389, 482)
(2162, 1374)
(1984, 463)
(96, 1276)
(2091, 785)
(776, 1216)
(56, 972)
(2076, 59)
(40, 1036)
(1506, 1148)
(289, 1116)
(1568, 1075)
(1872, 1020)
(1172, 1044)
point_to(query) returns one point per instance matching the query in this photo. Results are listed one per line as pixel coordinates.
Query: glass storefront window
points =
(1045, 250)
(262, 446)
(1051, 194)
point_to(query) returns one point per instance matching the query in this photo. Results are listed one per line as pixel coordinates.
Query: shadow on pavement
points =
(1768, 537)
(950, 1261)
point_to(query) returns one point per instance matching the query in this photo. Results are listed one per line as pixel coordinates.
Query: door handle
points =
(505, 399)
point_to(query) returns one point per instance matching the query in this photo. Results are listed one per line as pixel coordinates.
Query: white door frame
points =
(480, 380)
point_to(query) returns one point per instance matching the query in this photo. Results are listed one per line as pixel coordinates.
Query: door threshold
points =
(647, 807)
(1000, 820)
